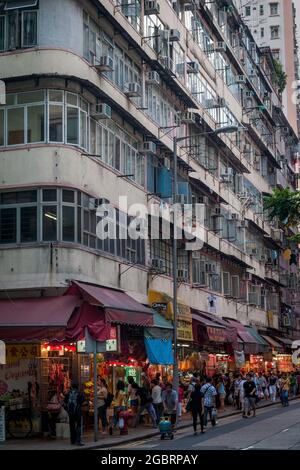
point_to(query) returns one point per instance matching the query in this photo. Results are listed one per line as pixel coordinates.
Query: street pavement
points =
(273, 428)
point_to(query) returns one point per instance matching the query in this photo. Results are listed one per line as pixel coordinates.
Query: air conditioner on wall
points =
(152, 7)
(101, 111)
(221, 46)
(152, 78)
(240, 80)
(193, 67)
(147, 147)
(174, 35)
(187, 117)
(182, 274)
(158, 264)
(104, 64)
(133, 89)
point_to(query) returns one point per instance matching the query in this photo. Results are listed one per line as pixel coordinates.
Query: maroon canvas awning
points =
(30, 319)
(215, 332)
(251, 346)
(117, 305)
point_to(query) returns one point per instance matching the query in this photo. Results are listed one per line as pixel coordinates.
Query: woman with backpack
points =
(101, 403)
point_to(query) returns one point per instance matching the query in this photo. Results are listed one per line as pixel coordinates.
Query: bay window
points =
(54, 215)
(18, 27)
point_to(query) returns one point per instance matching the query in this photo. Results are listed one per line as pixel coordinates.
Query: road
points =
(273, 428)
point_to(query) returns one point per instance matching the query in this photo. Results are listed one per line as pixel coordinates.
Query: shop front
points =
(210, 339)
(163, 304)
(257, 362)
(45, 338)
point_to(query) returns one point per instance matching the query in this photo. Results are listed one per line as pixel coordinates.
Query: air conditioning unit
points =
(221, 103)
(94, 203)
(101, 111)
(148, 148)
(240, 80)
(216, 212)
(243, 224)
(152, 7)
(104, 64)
(133, 89)
(202, 200)
(183, 199)
(174, 35)
(152, 78)
(278, 235)
(158, 264)
(167, 63)
(227, 176)
(210, 103)
(187, 117)
(234, 216)
(247, 276)
(182, 274)
(193, 67)
(221, 46)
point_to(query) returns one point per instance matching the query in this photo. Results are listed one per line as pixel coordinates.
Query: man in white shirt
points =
(156, 394)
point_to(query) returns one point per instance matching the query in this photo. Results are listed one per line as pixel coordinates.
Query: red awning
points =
(251, 346)
(215, 331)
(117, 305)
(30, 319)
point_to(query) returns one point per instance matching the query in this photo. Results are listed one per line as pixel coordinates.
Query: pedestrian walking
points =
(285, 390)
(73, 403)
(156, 394)
(237, 393)
(209, 396)
(221, 393)
(145, 403)
(293, 385)
(101, 403)
(119, 401)
(250, 392)
(273, 386)
(170, 403)
(197, 408)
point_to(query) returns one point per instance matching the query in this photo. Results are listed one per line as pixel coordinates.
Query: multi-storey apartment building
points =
(96, 89)
(273, 24)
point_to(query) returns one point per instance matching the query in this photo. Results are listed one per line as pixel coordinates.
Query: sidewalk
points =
(105, 441)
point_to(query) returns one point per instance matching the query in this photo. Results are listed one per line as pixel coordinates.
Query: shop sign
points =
(17, 375)
(216, 334)
(163, 304)
(87, 345)
(16, 352)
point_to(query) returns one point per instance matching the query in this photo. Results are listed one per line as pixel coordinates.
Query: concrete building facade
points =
(274, 24)
(95, 92)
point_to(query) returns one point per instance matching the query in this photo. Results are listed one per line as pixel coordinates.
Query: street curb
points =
(183, 426)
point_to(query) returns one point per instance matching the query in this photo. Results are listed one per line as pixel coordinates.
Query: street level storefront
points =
(163, 304)
(281, 360)
(44, 335)
(257, 362)
(211, 339)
